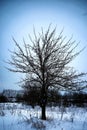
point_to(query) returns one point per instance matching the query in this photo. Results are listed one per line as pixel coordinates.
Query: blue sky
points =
(17, 18)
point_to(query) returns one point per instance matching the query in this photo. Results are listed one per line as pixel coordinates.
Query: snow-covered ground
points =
(15, 116)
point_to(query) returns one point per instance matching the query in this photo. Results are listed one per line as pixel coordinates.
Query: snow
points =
(14, 116)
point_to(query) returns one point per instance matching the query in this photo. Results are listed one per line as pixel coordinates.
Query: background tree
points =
(45, 63)
(31, 94)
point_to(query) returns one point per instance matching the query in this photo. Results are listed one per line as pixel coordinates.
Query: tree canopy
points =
(46, 63)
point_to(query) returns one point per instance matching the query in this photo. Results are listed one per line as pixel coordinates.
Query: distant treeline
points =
(32, 97)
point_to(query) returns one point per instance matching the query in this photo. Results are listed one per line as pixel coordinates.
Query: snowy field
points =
(15, 116)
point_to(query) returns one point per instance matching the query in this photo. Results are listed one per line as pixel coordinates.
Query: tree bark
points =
(43, 117)
(43, 102)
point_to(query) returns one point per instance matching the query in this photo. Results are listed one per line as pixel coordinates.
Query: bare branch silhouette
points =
(46, 64)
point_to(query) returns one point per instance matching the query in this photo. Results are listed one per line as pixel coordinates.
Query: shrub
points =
(3, 98)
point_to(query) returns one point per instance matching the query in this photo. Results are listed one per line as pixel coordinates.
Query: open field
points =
(14, 116)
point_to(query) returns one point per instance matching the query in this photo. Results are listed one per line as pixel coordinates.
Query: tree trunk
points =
(43, 112)
(43, 103)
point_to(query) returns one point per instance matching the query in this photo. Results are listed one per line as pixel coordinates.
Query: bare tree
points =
(45, 63)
